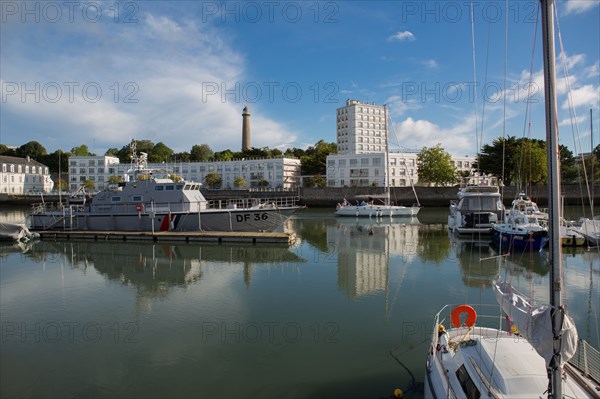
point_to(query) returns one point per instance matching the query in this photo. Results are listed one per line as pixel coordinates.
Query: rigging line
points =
(474, 72)
(573, 114)
(530, 86)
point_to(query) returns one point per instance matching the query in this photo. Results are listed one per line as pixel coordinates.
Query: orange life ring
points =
(139, 207)
(471, 315)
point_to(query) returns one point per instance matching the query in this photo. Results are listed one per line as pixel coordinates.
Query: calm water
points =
(318, 319)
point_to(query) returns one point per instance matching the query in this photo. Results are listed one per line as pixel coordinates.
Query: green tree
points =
(568, 166)
(61, 185)
(112, 152)
(182, 156)
(213, 180)
(81, 151)
(4, 150)
(530, 163)
(201, 153)
(295, 152)
(226, 155)
(315, 157)
(239, 182)
(33, 149)
(54, 159)
(159, 153)
(89, 185)
(435, 166)
(319, 181)
(175, 178)
(263, 183)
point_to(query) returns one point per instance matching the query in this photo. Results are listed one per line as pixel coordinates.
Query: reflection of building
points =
(23, 175)
(366, 248)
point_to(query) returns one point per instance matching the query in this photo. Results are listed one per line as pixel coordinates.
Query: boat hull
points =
(533, 241)
(209, 220)
(377, 211)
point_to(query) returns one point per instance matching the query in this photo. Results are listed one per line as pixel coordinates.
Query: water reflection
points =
(477, 260)
(156, 269)
(364, 248)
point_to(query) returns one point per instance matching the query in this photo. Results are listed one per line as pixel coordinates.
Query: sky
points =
(180, 72)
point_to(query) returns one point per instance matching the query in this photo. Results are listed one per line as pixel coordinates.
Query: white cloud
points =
(166, 65)
(588, 95)
(402, 36)
(579, 6)
(458, 139)
(430, 63)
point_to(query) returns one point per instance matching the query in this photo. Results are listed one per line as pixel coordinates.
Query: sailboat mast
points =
(552, 153)
(387, 157)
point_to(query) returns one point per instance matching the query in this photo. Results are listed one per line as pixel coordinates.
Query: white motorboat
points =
(477, 207)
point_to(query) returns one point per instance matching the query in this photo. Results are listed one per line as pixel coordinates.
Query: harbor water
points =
(333, 315)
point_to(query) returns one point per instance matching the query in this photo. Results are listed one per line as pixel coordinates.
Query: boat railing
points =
(253, 203)
(488, 315)
(587, 360)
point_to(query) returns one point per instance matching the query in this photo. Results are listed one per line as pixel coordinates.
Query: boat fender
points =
(471, 315)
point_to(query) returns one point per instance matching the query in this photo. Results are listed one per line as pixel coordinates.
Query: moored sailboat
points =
(531, 359)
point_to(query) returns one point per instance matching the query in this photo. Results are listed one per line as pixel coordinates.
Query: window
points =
(353, 162)
(342, 162)
(364, 162)
(91, 162)
(179, 187)
(19, 169)
(4, 167)
(159, 188)
(169, 188)
(12, 168)
(136, 198)
(467, 384)
(116, 199)
(81, 170)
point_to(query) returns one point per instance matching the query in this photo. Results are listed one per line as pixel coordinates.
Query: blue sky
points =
(180, 72)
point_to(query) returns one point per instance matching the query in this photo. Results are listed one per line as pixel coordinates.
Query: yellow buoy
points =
(398, 393)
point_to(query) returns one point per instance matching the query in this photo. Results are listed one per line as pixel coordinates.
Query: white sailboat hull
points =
(377, 211)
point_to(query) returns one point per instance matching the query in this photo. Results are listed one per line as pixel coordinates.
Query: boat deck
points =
(186, 236)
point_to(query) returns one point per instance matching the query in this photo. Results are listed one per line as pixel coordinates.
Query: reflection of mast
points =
(247, 273)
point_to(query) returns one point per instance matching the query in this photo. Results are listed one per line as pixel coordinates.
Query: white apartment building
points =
(24, 175)
(362, 140)
(361, 128)
(280, 173)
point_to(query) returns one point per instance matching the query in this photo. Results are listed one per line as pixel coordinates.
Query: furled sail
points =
(534, 322)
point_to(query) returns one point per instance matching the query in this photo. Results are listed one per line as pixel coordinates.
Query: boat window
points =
(467, 384)
(187, 187)
(136, 198)
(159, 188)
(116, 199)
(179, 187)
(169, 188)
